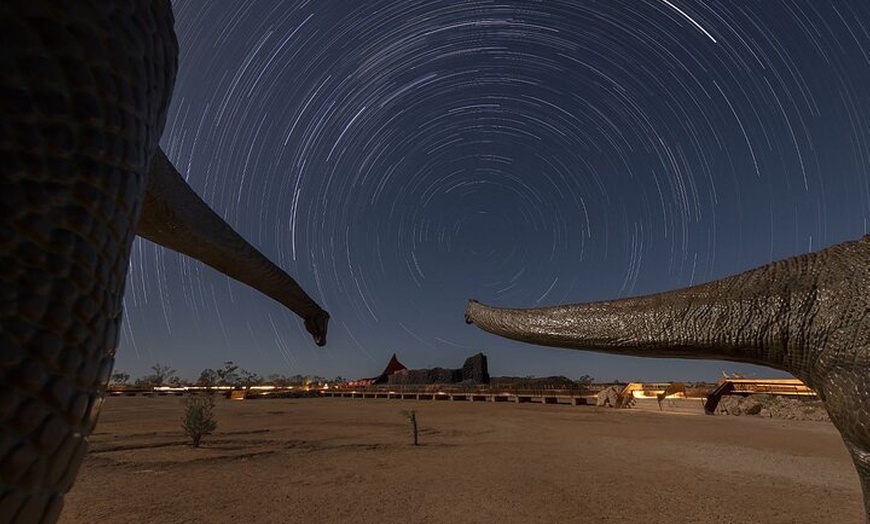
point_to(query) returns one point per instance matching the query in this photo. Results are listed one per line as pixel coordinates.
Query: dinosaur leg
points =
(846, 393)
(861, 458)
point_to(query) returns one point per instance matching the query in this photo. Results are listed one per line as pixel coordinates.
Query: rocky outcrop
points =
(770, 406)
(473, 371)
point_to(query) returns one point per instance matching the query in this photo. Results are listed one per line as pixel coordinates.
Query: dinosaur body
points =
(83, 98)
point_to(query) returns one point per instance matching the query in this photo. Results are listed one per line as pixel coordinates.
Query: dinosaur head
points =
(317, 324)
(469, 315)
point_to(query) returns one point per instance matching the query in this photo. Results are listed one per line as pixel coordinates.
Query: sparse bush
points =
(198, 418)
(411, 415)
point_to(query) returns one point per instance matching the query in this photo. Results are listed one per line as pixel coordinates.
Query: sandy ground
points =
(350, 460)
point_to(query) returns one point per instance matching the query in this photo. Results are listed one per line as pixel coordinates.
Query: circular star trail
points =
(398, 158)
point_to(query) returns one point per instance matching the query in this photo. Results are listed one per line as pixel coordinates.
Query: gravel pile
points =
(771, 406)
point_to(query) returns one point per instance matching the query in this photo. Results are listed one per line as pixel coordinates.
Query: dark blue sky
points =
(399, 157)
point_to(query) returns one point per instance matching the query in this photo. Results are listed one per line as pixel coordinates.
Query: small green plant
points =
(411, 415)
(198, 418)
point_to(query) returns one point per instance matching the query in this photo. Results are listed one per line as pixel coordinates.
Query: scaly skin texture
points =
(83, 99)
(175, 217)
(808, 315)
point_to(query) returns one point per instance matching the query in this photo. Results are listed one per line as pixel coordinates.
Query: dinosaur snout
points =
(317, 325)
(468, 317)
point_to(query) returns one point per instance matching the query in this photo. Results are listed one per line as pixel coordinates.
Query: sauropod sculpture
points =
(808, 315)
(175, 217)
(83, 100)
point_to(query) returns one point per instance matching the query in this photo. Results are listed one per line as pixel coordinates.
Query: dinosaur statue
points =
(175, 217)
(672, 389)
(808, 315)
(83, 98)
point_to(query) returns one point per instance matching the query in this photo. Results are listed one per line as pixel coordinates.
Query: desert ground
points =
(351, 460)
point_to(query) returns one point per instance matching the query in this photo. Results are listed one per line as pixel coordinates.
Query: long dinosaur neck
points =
(175, 217)
(745, 318)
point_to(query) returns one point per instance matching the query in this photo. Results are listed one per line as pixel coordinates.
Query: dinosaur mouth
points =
(317, 325)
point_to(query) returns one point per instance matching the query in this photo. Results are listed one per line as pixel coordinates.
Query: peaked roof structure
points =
(392, 366)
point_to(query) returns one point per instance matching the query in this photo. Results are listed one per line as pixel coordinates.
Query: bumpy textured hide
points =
(808, 315)
(83, 95)
(175, 217)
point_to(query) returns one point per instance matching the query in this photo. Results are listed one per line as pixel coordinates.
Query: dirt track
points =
(350, 460)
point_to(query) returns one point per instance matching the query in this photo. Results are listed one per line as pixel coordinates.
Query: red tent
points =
(393, 366)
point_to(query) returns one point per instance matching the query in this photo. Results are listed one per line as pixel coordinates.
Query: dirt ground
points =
(351, 460)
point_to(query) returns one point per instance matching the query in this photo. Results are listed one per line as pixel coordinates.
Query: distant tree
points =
(276, 379)
(248, 379)
(228, 376)
(208, 378)
(198, 419)
(585, 381)
(162, 375)
(120, 378)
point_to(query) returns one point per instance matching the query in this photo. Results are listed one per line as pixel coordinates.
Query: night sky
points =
(400, 157)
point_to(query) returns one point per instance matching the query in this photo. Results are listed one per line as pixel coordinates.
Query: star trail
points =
(400, 157)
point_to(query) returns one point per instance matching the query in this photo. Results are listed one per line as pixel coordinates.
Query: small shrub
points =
(411, 415)
(198, 418)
